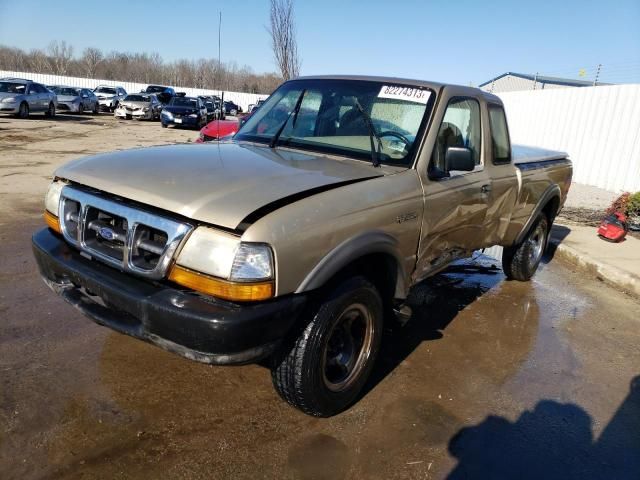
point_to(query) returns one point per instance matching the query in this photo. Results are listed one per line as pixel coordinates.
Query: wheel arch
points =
(374, 254)
(548, 204)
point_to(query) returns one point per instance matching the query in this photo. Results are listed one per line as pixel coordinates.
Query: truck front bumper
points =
(203, 329)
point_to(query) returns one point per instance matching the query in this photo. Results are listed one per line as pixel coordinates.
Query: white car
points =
(141, 106)
(109, 97)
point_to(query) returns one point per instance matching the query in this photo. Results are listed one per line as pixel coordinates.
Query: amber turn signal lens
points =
(242, 292)
(52, 221)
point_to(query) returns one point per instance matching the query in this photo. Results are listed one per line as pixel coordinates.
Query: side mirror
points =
(459, 158)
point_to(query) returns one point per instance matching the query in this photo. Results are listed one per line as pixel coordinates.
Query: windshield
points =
(155, 89)
(110, 91)
(184, 102)
(137, 98)
(72, 92)
(329, 118)
(11, 87)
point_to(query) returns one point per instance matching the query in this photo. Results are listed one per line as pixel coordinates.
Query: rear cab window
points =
(501, 145)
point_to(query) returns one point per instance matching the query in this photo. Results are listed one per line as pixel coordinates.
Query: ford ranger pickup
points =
(292, 244)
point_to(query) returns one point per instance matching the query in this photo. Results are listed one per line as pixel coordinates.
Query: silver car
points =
(139, 106)
(22, 97)
(109, 97)
(77, 100)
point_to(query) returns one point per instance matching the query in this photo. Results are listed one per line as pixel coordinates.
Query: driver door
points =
(455, 201)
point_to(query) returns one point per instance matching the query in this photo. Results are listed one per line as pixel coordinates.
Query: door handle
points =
(485, 188)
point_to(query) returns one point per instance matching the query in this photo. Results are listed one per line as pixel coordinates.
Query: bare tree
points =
(61, 53)
(283, 38)
(138, 67)
(39, 61)
(91, 58)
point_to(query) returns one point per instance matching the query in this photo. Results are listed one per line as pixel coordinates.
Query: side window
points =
(501, 147)
(460, 128)
(34, 88)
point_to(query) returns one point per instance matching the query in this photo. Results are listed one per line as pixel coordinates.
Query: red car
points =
(218, 129)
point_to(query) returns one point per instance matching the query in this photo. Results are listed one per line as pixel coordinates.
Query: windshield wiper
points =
(375, 153)
(295, 111)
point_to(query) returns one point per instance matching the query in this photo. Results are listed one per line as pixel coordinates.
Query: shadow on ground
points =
(554, 441)
(435, 303)
(558, 234)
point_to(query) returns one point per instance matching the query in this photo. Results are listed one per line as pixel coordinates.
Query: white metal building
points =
(513, 82)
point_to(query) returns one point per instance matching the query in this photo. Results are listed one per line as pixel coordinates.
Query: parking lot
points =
(490, 379)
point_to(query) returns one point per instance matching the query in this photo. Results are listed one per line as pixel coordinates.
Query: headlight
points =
(193, 115)
(209, 251)
(167, 114)
(52, 198)
(145, 109)
(9, 100)
(219, 264)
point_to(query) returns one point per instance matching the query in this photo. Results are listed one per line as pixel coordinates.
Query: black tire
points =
(51, 111)
(164, 125)
(80, 109)
(96, 109)
(302, 372)
(521, 261)
(23, 110)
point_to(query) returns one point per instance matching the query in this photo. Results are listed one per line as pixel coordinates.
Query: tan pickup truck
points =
(294, 242)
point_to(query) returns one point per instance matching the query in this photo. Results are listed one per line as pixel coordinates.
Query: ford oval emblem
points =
(106, 233)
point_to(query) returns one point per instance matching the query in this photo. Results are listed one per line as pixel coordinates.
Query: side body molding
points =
(551, 192)
(350, 250)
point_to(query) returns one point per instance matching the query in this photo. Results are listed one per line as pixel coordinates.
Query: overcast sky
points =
(457, 41)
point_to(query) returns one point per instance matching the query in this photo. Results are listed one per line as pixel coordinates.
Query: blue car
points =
(184, 111)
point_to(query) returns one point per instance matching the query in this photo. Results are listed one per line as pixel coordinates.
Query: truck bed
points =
(525, 154)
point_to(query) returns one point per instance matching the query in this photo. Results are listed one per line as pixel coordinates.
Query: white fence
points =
(598, 126)
(242, 99)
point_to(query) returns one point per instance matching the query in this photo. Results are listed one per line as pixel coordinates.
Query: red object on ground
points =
(217, 129)
(613, 227)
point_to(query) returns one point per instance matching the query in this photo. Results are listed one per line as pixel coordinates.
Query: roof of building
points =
(543, 79)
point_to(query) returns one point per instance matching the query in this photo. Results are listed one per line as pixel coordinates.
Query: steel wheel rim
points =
(536, 244)
(348, 348)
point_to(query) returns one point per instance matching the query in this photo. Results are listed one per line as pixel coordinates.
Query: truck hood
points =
(218, 184)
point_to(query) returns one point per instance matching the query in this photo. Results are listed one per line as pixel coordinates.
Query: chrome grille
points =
(133, 240)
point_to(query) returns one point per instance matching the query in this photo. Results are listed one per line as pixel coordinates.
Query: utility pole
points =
(595, 81)
(220, 64)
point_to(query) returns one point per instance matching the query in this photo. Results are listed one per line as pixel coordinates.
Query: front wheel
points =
(521, 261)
(96, 109)
(323, 370)
(51, 111)
(23, 111)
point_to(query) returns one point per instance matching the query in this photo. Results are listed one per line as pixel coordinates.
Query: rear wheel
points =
(81, 108)
(51, 111)
(521, 261)
(323, 370)
(23, 111)
(96, 108)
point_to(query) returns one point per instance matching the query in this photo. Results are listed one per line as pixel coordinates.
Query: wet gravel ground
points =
(490, 379)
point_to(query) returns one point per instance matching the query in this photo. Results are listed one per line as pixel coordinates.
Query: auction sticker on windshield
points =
(408, 94)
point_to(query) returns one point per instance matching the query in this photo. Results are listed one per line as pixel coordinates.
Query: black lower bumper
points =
(202, 329)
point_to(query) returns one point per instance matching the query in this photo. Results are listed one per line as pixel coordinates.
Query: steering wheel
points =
(391, 133)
